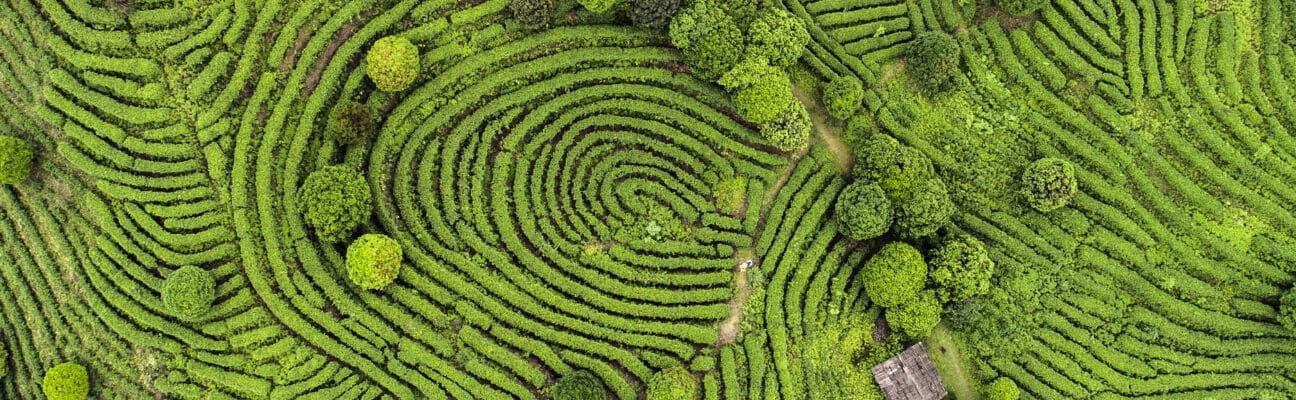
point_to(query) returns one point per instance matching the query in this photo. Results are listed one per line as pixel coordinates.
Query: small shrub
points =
(894, 275)
(790, 131)
(863, 211)
(578, 385)
(777, 36)
(188, 292)
(533, 13)
(15, 160)
(336, 199)
(350, 123)
(843, 96)
(1049, 183)
(373, 261)
(961, 268)
(653, 14)
(66, 381)
(916, 317)
(730, 194)
(392, 63)
(1002, 389)
(933, 59)
(674, 383)
(710, 40)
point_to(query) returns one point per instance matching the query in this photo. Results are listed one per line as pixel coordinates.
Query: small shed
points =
(909, 375)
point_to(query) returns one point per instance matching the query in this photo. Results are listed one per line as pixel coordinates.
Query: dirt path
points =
(730, 327)
(827, 129)
(949, 362)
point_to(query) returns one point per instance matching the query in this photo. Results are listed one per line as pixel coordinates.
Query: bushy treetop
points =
(578, 385)
(760, 91)
(894, 275)
(1002, 389)
(66, 381)
(961, 268)
(336, 200)
(350, 122)
(188, 292)
(863, 211)
(916, 317)
(1049, 183)
(373, 261)
(790, 130)
(928, 208)
(653, 14)
(843, 96)
(392, 63)
(710, 40)
(933, 59)
(15, 160)
(674, 383)
(777, 36)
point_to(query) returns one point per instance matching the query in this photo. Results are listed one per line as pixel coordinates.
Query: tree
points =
(761, 91)
(66, 381)
(533, 13)
(578, 385)
(1287, 310)
(897, 168)
(843, 96)
(790, 130)
(598, 6)
(863, 211)
(933, 59)
(653, 14)
(1049, 183)
(961, 268)
(373, 261)
(1002, 389)
(392, 63)
(928, 208)
(188, 292)
(894, 274)
(336, 199)
(778, 36)
(1022, 7)
(710, 40)
(15, 160)
(916, 317)
(674, 383)
(350, 123)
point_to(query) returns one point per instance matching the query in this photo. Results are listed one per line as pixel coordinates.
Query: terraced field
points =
(564, 199)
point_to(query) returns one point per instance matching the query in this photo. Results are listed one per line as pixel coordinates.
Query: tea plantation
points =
(646, 199)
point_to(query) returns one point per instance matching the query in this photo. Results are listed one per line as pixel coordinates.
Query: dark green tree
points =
(843, 96)
(790, 130)
(373, 261)
(533, 13)
(674, 383)
(777, 36)
(1049, 183)
(928, 208)
(710, 40)
(66, 381)
(15, 160)
(578, 385)
(961, 268)
(897, 168)
(392, 63)
(894, 275)
(188, 292)
(863, 211)
(336, 200)
(915, 317)
(598, 6)
(350, 123)
(653, 14)
(933, 59)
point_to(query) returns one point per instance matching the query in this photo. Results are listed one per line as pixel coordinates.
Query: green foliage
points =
(1002, 389)
(373, 261)
(598, 6)
(863, 211)
(66, 381)
(778, 36)
(4, 367)
(843, 96)
(533, 13)
(915, 317)
(761, 92)
(15, 160)
(897, 168)
(961, 268)
(674, 383)
(578, 385)
(933, 60)
(1049, 183)
(336, 200)
(894, 275)
(188, 292)
(350, 123)
(730, 194)
(839, 356)
(710, 40)
(653, 14)
(1022, 7)
(790, 130)
(1287, 310)
(392, 63)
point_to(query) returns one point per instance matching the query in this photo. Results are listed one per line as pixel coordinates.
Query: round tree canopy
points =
(66, 381)
(392, 63)
(843, 96)
(915, 318)
(674, 383)
(188, 292)
(932, 59)
(653, 14)
(894, 275)
(708, 37)
(336, 199)
(961, 268)
(1003, 389)
(15, 160)
(578, 385)
(863, 211)
(373, 261)
(350, 122)
(1049, 183)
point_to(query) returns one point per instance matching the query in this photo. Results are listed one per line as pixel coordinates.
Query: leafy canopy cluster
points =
(674, 383)
(863, 211)
(392, 63)
(653, 14)
(1049, 183)
(961, 268)
(373, 261)
(336, 200)
(15, 160)
(920, 199)
(350, 123)
(894, 275)
(66, 381)
(933, 59)
(1002, 389)
(578, 385)
(709, 38)
(843, 96)
(188, 292)
(915, 318)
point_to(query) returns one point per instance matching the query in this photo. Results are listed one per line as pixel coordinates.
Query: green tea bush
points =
(674, 383)
(1002, 389)
(336, 200)
(1022, 7)
(961, 268)
(710, 40)
(863, 211)
(653, 14)
(1049, 183)
(533, 13)
(843, 96)
(392, 63)
(15, 160)
(933, 59)
(790, 130)
(66, 381)
(915, 317)
(778, 36)
(350, 123)
(598, 6)
(188, 292)
(730, 194)
(373, 261)
(1287, 310)
(894, 275)
(578, 385)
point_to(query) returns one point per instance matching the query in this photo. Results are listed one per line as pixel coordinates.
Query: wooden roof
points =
(909, 375)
